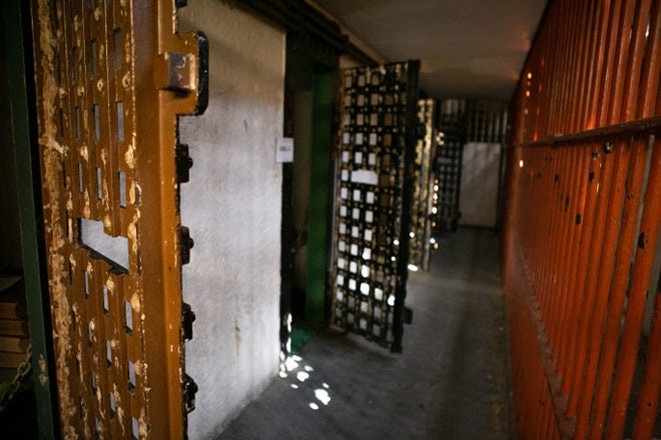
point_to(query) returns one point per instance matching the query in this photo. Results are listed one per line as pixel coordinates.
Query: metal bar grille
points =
(373, 197)
(107, 110)
(448, 163)
(583, 218)
(423, 187)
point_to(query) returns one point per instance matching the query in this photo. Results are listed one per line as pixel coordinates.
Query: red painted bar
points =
(649, 231)
(648, 401)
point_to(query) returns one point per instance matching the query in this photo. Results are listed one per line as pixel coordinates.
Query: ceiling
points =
(467, 48)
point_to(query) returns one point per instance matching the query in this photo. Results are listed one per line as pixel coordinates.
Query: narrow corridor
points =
(450, 382)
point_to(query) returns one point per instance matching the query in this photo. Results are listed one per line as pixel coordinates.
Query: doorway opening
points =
(307, 188)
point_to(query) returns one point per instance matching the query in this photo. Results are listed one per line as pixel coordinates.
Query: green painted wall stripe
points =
(318, 208)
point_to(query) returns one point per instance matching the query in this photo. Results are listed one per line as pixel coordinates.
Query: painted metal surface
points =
(14, 18)
(374, 190)
(111, 77)
(582, 223)
(447, 169)
(423, 188)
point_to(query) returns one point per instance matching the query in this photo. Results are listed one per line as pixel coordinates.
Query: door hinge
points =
(187, 319)
(183, 163)
(175, 71)
(186, 243)
(190, 389)
(185, 73)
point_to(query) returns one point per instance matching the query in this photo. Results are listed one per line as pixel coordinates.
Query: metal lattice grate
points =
(368, 282)
(448, 164)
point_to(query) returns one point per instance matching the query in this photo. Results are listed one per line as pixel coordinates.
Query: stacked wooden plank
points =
(14, 337)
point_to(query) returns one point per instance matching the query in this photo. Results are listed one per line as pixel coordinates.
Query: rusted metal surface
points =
(582, 222)
(107, 132)
(374, 192)
(423, 191)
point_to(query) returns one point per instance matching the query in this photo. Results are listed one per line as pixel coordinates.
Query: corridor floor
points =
(451, 381)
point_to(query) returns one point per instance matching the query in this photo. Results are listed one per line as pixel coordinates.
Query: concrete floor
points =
(451, 382)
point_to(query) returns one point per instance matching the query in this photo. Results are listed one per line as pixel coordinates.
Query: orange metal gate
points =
(111, 76)
(582, 223)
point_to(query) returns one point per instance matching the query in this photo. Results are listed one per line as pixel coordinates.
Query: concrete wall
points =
(232, 206)
(478, 201)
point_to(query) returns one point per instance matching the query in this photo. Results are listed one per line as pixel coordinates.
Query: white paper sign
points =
(284, 150)
(365, 176)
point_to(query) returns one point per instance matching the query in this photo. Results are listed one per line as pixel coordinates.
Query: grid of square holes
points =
(368, 200)
(92, 70)
(421, 205)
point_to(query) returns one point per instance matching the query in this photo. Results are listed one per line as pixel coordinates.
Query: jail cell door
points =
(423, 194)
(374, 180)
(111, 76)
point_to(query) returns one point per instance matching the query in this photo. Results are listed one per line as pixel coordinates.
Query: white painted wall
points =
(478, 200)
(232, 206)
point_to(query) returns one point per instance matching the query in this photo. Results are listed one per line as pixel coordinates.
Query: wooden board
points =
(13, 327)
(11, 360)
(13, 344)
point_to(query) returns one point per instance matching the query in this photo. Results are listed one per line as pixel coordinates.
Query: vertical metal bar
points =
(601, 285)
(594, 84)
(577, 280)
(595, 266)
(618, 288)
(648, 399)
(22, 123)
(559, 171)
(568, 344)
(413, 69)
(596, 35)
(581, 66)
(561, 312)
(649, 231)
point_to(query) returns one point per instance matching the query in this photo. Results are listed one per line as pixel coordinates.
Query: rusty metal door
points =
(374, 181)
(111, 78)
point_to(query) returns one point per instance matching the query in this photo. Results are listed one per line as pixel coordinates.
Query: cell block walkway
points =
(452, 381)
